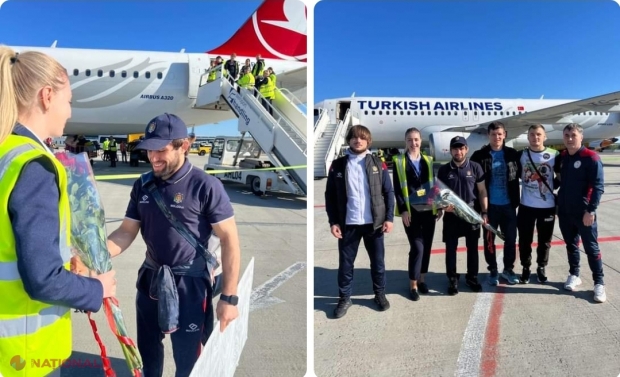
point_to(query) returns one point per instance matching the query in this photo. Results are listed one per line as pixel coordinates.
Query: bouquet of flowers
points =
(443, 197)
(89, 241)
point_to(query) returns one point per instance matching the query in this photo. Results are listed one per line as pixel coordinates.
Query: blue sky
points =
(559, 49)
(126, 25)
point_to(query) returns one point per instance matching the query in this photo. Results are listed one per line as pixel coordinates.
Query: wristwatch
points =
(232, 300)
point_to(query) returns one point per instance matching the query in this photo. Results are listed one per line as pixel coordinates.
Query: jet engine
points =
(439, 144)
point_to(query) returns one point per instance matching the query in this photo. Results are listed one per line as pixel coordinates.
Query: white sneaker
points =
(572, 282)
(599, 293)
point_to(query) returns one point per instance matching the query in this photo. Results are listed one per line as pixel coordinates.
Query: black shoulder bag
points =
(210, 259)
(544, 179)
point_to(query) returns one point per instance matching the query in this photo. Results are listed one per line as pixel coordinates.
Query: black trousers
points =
(544, 221)
(420, 234)
(453, 229)
(113, 157)
(348, 246)
(195, 309)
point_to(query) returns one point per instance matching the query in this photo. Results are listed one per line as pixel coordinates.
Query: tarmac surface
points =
(272, 229)
(508, 330)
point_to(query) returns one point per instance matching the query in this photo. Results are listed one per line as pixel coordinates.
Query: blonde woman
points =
(36, 284)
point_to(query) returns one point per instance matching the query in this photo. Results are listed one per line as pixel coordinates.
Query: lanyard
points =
(417, 173)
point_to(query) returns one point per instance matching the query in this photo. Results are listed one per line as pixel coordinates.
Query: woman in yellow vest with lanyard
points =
(36, 284)
(413, 174)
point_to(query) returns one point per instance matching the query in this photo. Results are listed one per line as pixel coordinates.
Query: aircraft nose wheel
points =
(255, 186)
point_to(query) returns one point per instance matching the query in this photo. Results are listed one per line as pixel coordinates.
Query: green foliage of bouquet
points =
(89, 241)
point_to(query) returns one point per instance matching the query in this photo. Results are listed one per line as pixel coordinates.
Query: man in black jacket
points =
(359, 200)
(502, 171)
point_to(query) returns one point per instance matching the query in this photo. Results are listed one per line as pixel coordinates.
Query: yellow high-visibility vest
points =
(400, 162)
(31, 331)
(268, 90)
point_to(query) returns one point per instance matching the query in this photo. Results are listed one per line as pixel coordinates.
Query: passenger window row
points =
(112, 73)
(455, 113)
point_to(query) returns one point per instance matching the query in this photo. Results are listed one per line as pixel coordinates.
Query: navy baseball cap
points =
(458, 141)
(161, 131)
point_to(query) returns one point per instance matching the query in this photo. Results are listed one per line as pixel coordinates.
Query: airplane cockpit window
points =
(147, 75)
(160, 75)
(135, 74)
(124, 74)
(76, 72)
(100, 73)
(112, 73)
(87, 72)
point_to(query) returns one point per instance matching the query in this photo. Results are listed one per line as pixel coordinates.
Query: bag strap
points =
(544, 179)
(149, 184)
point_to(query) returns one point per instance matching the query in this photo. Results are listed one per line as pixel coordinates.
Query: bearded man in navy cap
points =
(175, 282)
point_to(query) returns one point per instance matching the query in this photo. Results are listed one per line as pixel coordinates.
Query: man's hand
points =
(449, 208)
(406, 218)
(78, 267)
(588, 219)
(485, 218)
(226, 313)
(387, 227)
(336, 232)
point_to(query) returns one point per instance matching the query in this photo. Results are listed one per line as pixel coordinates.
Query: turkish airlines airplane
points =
(441, 119)
(119, 91)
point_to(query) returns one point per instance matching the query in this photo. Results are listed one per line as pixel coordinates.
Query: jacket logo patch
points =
(577, 164)
(375, 170)
(338, 175)
(178, 198)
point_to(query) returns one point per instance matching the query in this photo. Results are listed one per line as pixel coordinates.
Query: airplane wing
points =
(518, 124)
(296, 81)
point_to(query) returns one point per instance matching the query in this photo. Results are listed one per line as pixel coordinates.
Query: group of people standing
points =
(361, 202)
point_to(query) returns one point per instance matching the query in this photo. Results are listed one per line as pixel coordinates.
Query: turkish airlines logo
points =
(278, 28)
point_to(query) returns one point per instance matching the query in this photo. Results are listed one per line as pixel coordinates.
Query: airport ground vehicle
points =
(200, 149)
(244, 162)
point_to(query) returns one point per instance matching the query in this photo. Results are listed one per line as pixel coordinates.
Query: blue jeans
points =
(571, 226)
(504, 217)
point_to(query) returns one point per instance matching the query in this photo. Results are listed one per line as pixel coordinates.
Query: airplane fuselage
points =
(389, 117)
(118, 91)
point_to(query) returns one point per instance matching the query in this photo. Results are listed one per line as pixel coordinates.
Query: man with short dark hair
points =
(581, 174)
(175, 281)
(359, 200)
(501, 176)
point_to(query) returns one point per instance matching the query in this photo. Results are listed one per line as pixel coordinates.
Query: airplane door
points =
(198, 65)
(341, 110)
(466, 115)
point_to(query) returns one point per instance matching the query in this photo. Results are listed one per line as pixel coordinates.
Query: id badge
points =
(421, 192)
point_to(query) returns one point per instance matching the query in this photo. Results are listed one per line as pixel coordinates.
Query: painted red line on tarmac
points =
(319, 206)
(488, 364)
(500, 246)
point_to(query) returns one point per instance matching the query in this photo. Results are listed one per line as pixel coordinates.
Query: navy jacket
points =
(33, 210)
(582, 183)
(381, 192)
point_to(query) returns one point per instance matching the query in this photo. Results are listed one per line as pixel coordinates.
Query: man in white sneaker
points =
(581, 188)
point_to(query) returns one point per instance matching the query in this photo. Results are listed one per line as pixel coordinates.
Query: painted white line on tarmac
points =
(261, 296)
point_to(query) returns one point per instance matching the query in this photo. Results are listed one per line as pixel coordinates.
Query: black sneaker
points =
(541, 274)
(382, 301)
(525, 275)
(343, 305)
(453, 286)
(472, 283)
(414, 294)
(422, 288)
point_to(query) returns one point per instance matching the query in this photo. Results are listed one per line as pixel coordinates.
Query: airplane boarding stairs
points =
(282, 136)
(329, 139)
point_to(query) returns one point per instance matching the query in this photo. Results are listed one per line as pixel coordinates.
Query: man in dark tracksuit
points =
(174, 291)
(581, 188)
(466, 179)
(359, 200)
(502, 171)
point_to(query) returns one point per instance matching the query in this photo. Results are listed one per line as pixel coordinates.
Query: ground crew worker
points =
(112, 152)
(537, 208)
(246, 80)
(267, 90)
(123, 147)
(212, 71)
(272, 76)
(247, 65)
(413, 179)
(200, 203)
(232, 67)
(259, 67)
(359, 200)
(466, 179)
(106, 149)
(381, 155)
(582, 186)
(37, 287)
(502, 172)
